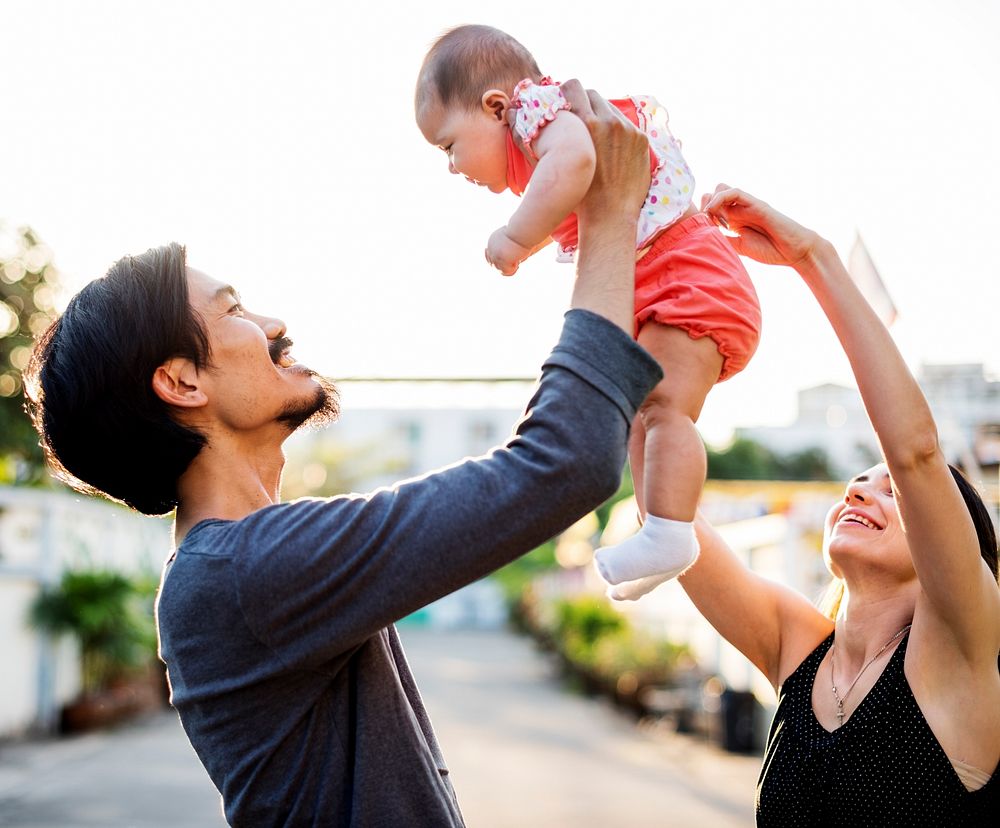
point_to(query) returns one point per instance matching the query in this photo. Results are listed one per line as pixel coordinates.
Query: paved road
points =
(522, 751)
(142, 776)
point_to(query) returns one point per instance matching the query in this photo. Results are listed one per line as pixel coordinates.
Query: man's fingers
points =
(588, 104)
(602, 109)
(579, 101)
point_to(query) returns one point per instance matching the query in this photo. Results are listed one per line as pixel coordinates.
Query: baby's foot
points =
(634, 590)
(661, 547)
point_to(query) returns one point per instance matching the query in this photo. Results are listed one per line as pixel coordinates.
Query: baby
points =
(482, 99)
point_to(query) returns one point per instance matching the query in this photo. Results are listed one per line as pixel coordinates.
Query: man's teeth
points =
(285, 361)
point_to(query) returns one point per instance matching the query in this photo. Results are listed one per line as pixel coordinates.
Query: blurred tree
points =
(742, 460)
(748, 460)
(28, 285)
(808, 464)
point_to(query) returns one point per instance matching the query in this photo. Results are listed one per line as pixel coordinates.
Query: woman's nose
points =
(857, 492)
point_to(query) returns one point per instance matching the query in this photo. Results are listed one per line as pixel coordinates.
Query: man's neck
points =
(228, 482)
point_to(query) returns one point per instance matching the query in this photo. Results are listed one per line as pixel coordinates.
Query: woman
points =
(889, 710)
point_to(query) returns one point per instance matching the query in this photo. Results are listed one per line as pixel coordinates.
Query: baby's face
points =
(475, 141)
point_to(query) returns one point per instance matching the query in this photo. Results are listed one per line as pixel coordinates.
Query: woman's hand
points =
(763, 234)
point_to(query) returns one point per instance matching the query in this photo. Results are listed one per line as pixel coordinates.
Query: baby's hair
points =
(466, 61)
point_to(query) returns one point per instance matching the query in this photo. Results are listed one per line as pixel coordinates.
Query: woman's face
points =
(864, 527)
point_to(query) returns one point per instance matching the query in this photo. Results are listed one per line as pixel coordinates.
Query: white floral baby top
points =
(672, 185)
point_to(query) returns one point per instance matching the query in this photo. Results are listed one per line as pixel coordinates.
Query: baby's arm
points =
(558, 184)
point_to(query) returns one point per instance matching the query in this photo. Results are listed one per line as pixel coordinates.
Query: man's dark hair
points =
(88, 385)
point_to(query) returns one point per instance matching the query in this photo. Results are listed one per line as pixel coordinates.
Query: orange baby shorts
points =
(690, 278)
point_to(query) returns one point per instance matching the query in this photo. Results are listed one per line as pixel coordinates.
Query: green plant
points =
(587, 619)
(110, 616)
(603, 650)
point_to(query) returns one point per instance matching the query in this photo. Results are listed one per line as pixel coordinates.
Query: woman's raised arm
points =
(957, 588)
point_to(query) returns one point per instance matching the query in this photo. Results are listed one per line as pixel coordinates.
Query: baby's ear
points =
(496, 104)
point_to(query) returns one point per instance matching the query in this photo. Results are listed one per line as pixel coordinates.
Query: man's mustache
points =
(276, 347)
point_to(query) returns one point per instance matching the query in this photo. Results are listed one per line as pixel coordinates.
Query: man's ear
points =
(495, 104)
(177, 383)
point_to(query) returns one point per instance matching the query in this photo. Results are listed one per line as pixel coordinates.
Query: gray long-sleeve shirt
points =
(277, 629)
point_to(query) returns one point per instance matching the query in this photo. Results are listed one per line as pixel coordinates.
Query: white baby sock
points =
(634, 590)
(661, 547)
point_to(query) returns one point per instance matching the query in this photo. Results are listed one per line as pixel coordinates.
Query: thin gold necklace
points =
(833, 680)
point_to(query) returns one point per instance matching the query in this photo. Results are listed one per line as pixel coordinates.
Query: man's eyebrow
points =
(226, 289)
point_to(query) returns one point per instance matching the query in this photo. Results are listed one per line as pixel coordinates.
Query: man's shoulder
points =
(274, 525)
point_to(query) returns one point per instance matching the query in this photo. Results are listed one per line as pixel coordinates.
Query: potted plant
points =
(109, 615)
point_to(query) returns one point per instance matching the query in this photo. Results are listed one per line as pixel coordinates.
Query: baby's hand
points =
(504, 253)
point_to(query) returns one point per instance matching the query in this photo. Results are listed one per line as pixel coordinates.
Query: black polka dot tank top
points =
(883, 767)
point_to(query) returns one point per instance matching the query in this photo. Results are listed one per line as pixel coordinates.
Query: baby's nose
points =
(451, 168)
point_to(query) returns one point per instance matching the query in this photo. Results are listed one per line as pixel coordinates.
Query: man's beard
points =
(319, 411)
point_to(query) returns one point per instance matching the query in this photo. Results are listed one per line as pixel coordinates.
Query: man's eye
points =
(237, 308)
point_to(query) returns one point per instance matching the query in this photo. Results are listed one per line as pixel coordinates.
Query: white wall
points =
(43, 533)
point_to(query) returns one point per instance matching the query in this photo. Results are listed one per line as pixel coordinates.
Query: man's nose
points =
(270, 325)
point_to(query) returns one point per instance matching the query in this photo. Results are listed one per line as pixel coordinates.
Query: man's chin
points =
(317, 411)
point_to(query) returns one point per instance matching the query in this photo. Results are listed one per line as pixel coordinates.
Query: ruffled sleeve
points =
(535, 105)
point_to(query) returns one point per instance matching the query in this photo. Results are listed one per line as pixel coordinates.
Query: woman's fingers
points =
(724, 197)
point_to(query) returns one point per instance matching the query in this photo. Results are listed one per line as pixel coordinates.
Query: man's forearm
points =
(605, 273)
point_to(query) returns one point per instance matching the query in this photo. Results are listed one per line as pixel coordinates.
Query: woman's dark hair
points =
(88, 385)
(980, 518)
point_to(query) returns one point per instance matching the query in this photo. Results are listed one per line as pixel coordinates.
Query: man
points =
(156, 387)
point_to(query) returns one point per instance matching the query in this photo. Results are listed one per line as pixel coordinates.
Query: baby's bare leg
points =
(672, 471)
(675, 463)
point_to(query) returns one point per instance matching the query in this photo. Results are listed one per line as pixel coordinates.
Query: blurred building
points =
(965, 402)
(392, 430)
(830, 417)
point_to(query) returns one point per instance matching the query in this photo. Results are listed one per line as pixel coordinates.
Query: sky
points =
(276, 140)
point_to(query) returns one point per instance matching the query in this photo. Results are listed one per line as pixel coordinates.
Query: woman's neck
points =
(868, 620)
